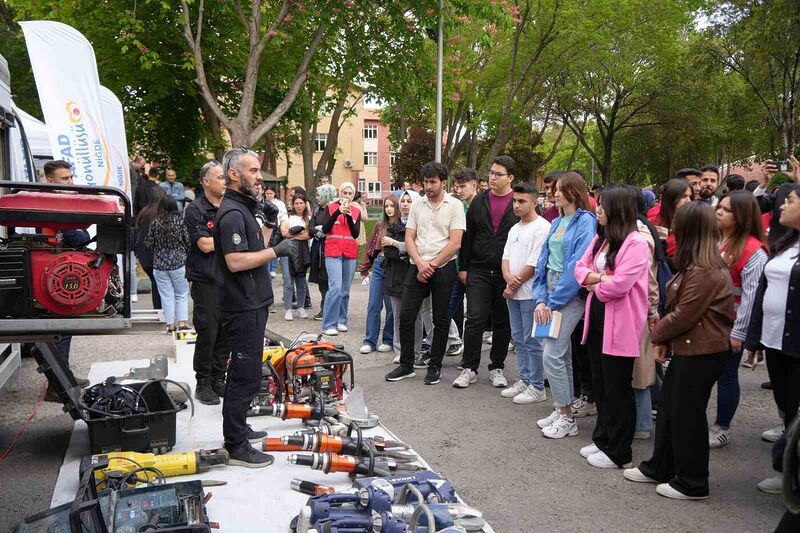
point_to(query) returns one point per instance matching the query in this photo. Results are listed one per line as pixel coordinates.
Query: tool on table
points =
(128, 469)
(303, 411)
(310, 488)
(391, 505)
(366, 466)
(157, 369)
(306, 372)
(341, 445)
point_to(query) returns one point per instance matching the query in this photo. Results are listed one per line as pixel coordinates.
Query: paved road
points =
(488, 447)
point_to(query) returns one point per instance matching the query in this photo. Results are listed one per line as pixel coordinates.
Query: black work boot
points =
(204, 394)
(218, 386)
(245, 455)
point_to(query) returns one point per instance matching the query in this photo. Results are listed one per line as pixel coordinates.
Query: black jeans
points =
(784, 373)
(212, 347)
(581, 366)
(153, 287)
(246, 331)
(439, 286)
(613, 392)
(680, 455)
(484, 300)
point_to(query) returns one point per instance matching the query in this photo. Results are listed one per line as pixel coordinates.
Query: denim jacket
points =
(577, 237)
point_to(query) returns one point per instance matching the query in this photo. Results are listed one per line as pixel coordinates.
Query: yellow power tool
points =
(128, 469)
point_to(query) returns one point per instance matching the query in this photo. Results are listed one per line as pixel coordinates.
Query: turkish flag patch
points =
(210, 224)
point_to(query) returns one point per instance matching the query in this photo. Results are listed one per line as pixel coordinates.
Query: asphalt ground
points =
(488, 447)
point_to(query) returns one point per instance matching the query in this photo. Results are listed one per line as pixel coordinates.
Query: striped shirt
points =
(751, 274)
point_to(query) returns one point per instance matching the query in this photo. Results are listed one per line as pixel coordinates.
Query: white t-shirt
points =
(282, 213)
(778, 272)
(523, 247)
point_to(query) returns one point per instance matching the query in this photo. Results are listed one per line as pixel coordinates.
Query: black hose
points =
(180, 386)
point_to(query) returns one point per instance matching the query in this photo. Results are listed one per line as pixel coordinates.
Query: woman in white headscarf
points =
(341, 251)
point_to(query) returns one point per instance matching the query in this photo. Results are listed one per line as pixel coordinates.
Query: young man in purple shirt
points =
(489, 219)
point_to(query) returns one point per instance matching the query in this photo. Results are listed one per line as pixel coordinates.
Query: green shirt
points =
(555, 246)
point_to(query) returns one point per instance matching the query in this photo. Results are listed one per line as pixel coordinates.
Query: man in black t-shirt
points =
(212, 347)
(245, 294)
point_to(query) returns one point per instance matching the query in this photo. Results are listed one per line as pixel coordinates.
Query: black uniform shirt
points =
(236, 230)
(199, 218)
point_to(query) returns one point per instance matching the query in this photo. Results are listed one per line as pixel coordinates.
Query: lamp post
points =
(439, 54)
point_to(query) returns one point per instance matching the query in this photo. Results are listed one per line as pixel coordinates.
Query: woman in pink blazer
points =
(614, 271)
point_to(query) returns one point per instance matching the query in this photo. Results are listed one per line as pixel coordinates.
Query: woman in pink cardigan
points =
(614, 271)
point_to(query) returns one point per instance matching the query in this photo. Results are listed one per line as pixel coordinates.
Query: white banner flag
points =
(69, 91)
(114, 126)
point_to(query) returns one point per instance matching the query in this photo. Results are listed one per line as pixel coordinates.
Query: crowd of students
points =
(638, 307)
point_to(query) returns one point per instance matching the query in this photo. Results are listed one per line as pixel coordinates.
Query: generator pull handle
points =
(136, 431)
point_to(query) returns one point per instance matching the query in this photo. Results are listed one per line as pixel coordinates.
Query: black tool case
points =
(153, 431)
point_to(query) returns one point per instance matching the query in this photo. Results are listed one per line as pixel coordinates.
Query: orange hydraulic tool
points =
(341, 445)
(365, 466)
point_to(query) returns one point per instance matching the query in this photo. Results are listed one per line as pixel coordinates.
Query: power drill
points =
(121, 465)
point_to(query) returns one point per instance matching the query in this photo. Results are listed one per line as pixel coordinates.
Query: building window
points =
(392, 159)
(371, 131)
(370, 159)
(320, 140)
(374, 189)
(362, 185)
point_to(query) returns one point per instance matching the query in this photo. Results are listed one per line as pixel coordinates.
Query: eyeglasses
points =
(496, 174)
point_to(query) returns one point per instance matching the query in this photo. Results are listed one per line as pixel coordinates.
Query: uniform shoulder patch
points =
(236, 238)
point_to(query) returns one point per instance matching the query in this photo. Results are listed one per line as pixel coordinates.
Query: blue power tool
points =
(389, 505)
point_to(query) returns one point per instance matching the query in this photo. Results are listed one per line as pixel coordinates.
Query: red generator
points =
(40, 275)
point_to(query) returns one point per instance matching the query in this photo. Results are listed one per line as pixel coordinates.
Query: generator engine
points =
(41, 276)
(302, 373)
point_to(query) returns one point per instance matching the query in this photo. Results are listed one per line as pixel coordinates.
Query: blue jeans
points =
(273, 266)
(528, 347)
(340, 277)
(134, 280)
(728, 391)
(456, 298)
(557, 353)
(290, 283)
(644, 409)
(174, 291)
(377, 301)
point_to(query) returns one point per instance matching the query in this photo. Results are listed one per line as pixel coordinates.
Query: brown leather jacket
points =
(698, 313)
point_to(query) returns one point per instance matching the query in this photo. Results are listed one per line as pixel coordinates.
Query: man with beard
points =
(709, 181)
(245, 295)
(692, 175)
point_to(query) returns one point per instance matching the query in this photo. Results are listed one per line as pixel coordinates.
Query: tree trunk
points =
(270, 162)
(307, 133)
(333, 138)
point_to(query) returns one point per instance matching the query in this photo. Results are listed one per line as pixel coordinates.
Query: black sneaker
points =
(425, 349)
(205, 395)
(455, 349)
(400, 373)
(255, 436)
(767, 385)
(318, 316)
(422, 361)
(433, 374)
(247, 456)
(51, 395)
(218, 386)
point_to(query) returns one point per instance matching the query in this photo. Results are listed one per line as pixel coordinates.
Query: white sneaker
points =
(635, 475)
(365, 349)
(771, 485)
(562, 427)
(666, 490)
(497, 378)
(384, 348)
(342, 328)
(487, 337)
(772, 435)
(582, 408)
(601, 460)
(514, 389)
(272, 275)
(546, 421)
(530, 395)
(134, 298)
(302, 313)
(591, 449)
(718, 437)
(288, 315)
(396, 360)
(466, 378)
(331, 332)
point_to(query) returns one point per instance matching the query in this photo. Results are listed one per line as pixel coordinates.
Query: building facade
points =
(363, 155)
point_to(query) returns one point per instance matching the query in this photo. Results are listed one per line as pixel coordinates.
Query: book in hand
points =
(550, 329)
